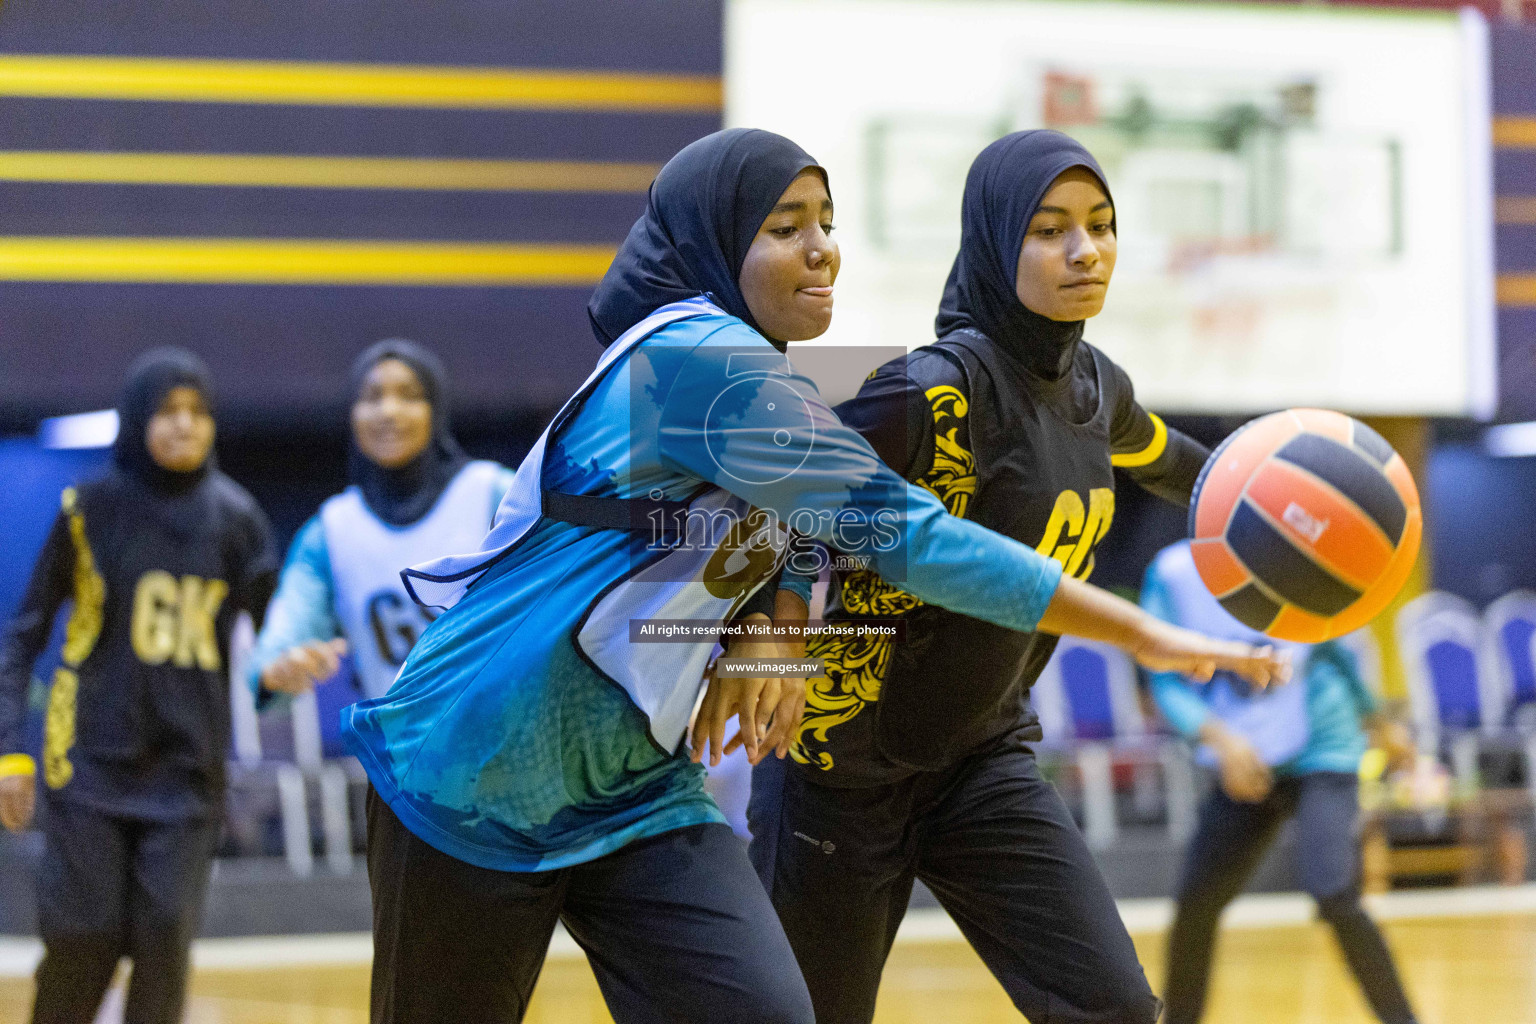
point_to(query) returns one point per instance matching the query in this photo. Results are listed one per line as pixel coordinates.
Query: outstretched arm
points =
(779, 446)
(300, 642)
(1081, 609)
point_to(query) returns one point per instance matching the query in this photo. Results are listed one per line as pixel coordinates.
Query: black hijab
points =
(151, 377)
(402, 496)
(703, 211)
(1004, 188)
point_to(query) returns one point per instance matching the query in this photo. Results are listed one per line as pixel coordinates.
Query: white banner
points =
(1301, 194)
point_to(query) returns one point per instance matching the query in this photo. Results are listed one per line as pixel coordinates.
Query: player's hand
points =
(1244, 776)
(725, 698)
(18, 798)
(778, 722)
(1166, 648)
(299, 669)
(767, 710)
(782, 722)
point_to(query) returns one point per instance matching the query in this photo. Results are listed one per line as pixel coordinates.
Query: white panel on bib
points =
(377, 615)
(700, 579)
(704, 578)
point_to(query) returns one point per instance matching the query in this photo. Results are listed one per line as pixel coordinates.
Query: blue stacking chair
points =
(1090, 711)
(1453, 688)
(1509, 630)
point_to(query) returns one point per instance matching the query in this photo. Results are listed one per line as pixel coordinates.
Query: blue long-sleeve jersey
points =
(501, 744)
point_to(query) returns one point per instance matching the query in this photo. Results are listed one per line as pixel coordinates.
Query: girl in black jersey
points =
(158, 555)
(914, 758)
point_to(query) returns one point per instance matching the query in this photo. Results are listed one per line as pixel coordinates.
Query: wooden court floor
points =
(1478, 970)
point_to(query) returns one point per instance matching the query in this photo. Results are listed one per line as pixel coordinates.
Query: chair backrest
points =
(1088, 693)
(316, 717)
(1509, 636)
(245, 725)
(277, 733)
(1450, 686)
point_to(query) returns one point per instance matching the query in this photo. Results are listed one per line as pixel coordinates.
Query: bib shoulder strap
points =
(967, 350)
(664, 518)
(441, 582)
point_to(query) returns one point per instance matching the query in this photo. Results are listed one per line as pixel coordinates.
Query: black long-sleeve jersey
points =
(138, 716)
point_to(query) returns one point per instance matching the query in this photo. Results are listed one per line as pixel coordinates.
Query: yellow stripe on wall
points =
(298, 262)
(351, 85)
(254, 170)
(1514, 210)
(1516, 290)
(1514, 132)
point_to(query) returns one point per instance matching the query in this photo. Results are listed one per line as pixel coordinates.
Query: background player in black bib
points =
(158, 555)
(913, 760)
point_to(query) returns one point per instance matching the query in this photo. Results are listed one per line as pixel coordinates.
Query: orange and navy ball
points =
(1305, 524)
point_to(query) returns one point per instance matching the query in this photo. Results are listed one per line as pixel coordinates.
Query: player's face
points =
(1068, 253)
(180, 433)
(392, 419)
(788, 273)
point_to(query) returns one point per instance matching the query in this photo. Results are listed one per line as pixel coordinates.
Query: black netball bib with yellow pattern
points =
(1027, 457)
(137, 722)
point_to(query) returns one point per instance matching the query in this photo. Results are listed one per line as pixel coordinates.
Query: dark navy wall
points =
(1480, 513)
(279, 349)
(1514, 178)
(634, 35)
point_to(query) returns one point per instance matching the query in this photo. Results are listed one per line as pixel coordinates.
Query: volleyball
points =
(1305, 524)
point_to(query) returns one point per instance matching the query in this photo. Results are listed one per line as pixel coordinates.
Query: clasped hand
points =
(768, 710)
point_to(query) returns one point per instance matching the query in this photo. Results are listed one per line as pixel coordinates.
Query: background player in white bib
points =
(414, 495)
(1294, 753)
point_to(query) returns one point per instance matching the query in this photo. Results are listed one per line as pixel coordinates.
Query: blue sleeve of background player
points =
(1334, 657)
(304, 607)
(738, 416)
(1181, 703)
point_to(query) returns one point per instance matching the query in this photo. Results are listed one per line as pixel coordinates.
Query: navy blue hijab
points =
(402, 496)
(151, 377)
(1004, 188)
(703, 211)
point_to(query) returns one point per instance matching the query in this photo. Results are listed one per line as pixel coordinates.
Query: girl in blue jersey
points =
(1294, 753)
(413, 495)
(526, 763)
